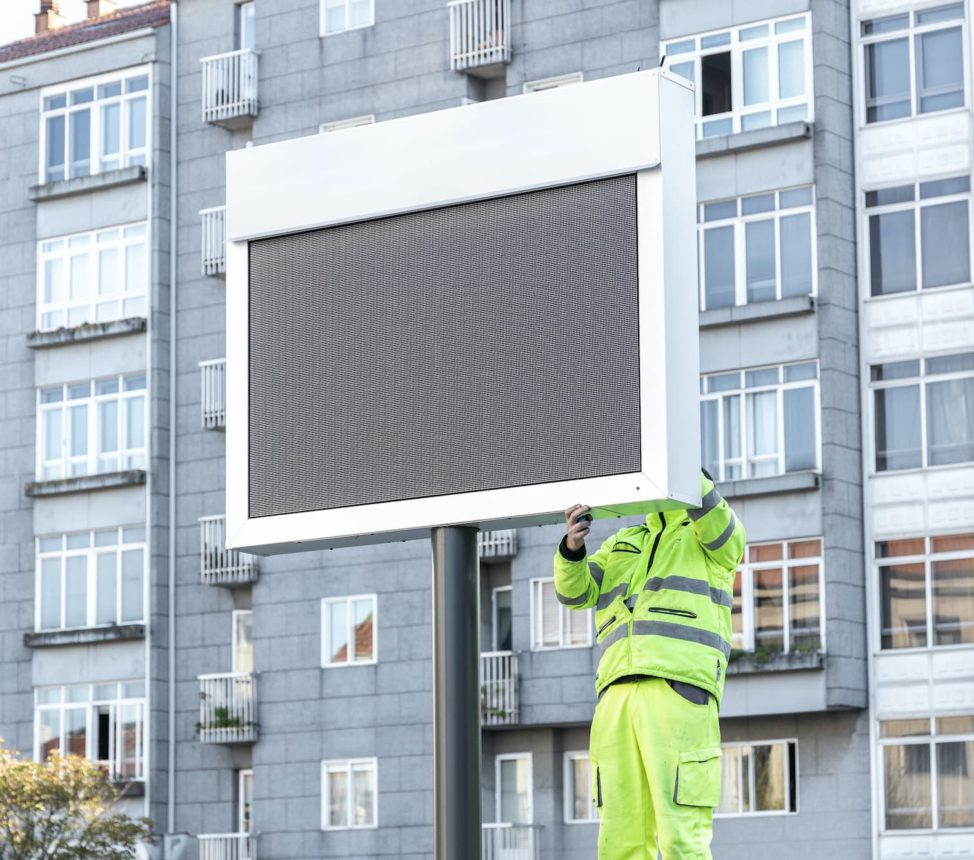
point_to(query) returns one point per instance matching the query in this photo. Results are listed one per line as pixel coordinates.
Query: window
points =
(778, 598)
(554, 625)
(348, 795)
(926, 587)
(759, 778)
(760, 422)
(913, 63)
(245, 26)
(923, 412)
(513, 786)
(757, 249)
(243, 642)
(102, 722)
(88, 579)
(748, 77)
(348, 630)
(903, 258)
(501, 620)
(579, 804)
(86, 428)
(337, 16)
(552, 83)
(94, 125)
(928, 772)
(340, 124)
(245, 801)
(92, 277)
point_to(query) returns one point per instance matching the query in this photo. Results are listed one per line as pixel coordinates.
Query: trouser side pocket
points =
(698, 778)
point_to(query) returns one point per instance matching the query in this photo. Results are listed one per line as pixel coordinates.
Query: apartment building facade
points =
(836, 410)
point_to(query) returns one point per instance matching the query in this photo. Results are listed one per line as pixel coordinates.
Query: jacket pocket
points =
(596, 786)
(625, 546)
(698, 778)
(683, 613)
(605, 626)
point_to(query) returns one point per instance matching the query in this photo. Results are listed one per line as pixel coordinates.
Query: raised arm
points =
(716, 527)
(578, 576)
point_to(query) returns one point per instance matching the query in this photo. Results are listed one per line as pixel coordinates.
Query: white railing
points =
(228, 708)
(214, 239)
(227, 846)
(498, 688)
(479, 33)
(499, 544)
(229, 87)
(213, 393)
(219, 565)
(510, 842)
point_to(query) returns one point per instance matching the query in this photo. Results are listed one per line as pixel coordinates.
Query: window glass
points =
(892, 252)
(359, 13)
(769, 777)
(515, 789)
(953, 601)
(906, 769)
(950, 421)
(710, 450)
(796, 255)
(105, 612)
(243, 643)
(338, 798)
(76, 591)
(903, 606)
(108, 427)
(246, 27)
(715, 71)
(760, 256)
(75, 725)
(939, 70)
(55, 148)
(502, 619)
(768, 610)
(941, 13)
(50, 733)
(338, 632)
(80, 143)
(897, 417)
(805, 609)
(887, 69)
(955, 784)
(791, 68)
(580, 792)
(334, 16)
(363, 789)
(799, 421)
(719, 267)
(944, 237)
(50, 593)
(755, 70)
(111, 143)
(133, 577)
(135, 422)
(732, 438)
(137, 126)
(763, 433)
(363, 630)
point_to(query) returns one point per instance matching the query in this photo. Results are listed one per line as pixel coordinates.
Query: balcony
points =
(510, 842)
(213, 393)
(213, 240)
(228, 708)
(227, 846)
(498, 546)
(498, 689)
(230, 89)
(480, 36)
(219, 565)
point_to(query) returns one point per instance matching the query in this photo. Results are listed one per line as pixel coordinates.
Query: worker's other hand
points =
(577, 530)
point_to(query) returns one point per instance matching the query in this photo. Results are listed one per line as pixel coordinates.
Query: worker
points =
(662, 593)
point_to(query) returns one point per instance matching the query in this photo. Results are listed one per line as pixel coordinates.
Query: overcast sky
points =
(17, 16)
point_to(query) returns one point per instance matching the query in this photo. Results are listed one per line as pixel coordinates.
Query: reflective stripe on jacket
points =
(662, 592)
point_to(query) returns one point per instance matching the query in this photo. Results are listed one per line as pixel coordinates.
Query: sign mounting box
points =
(476, 316)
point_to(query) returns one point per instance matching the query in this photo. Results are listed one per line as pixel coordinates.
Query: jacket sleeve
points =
(578, 576)
(717, 528)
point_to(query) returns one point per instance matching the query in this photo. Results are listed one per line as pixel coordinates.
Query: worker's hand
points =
(577, 530)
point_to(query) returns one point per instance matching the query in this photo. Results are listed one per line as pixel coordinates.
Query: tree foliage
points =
(63, 809)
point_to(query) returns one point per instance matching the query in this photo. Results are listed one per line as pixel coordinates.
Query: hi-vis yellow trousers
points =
(655, 765)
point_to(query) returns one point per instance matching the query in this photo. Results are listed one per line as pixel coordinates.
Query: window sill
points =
(85, 332)
(787, 483)
(749, 664)
(84, 184)
(85, 483)
(84, 635)
(723, 144)
(792, 306)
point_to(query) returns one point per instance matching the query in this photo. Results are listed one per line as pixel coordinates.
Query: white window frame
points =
(90, 246)
(737, 747)
(927, 558)
(568, 784)
(930, 738)
(127, 155)
(551, 83)
(91, 704)
(536, 638)
(736, 47)
(91, 552)
(234, 616)
(324, 33)
(348, 765)
(747, 570)
(498, 759)
(910, 33)
(348, 600)
(493, 613)
(342, 124)
(739, 222)
(923, 379)
(245, 778)
(127, 458)
(742, 391)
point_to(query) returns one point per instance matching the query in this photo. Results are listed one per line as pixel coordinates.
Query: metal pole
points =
(456, 694)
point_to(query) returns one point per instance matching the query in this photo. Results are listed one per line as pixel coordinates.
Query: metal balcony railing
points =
(227, 846)
(498, 688)
(510, 842)
(228, 708)
(230, 88)
(213, 393)
(219, 565)
(498, 545)
(479, 33)
(214, 239)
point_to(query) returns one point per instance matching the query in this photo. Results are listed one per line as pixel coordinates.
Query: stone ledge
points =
(789, 483)
(84, 636)
(789, 307)
(750, 664)
(85, 483)
(86, 184)
(86, 331)
(759, 137)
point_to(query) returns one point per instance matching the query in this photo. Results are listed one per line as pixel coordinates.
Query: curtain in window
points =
(950, 421)
(955, 784)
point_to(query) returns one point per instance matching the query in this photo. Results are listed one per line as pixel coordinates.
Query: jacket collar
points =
(658, 520)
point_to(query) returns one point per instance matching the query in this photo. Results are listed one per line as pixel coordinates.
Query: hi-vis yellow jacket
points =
(663, 594)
